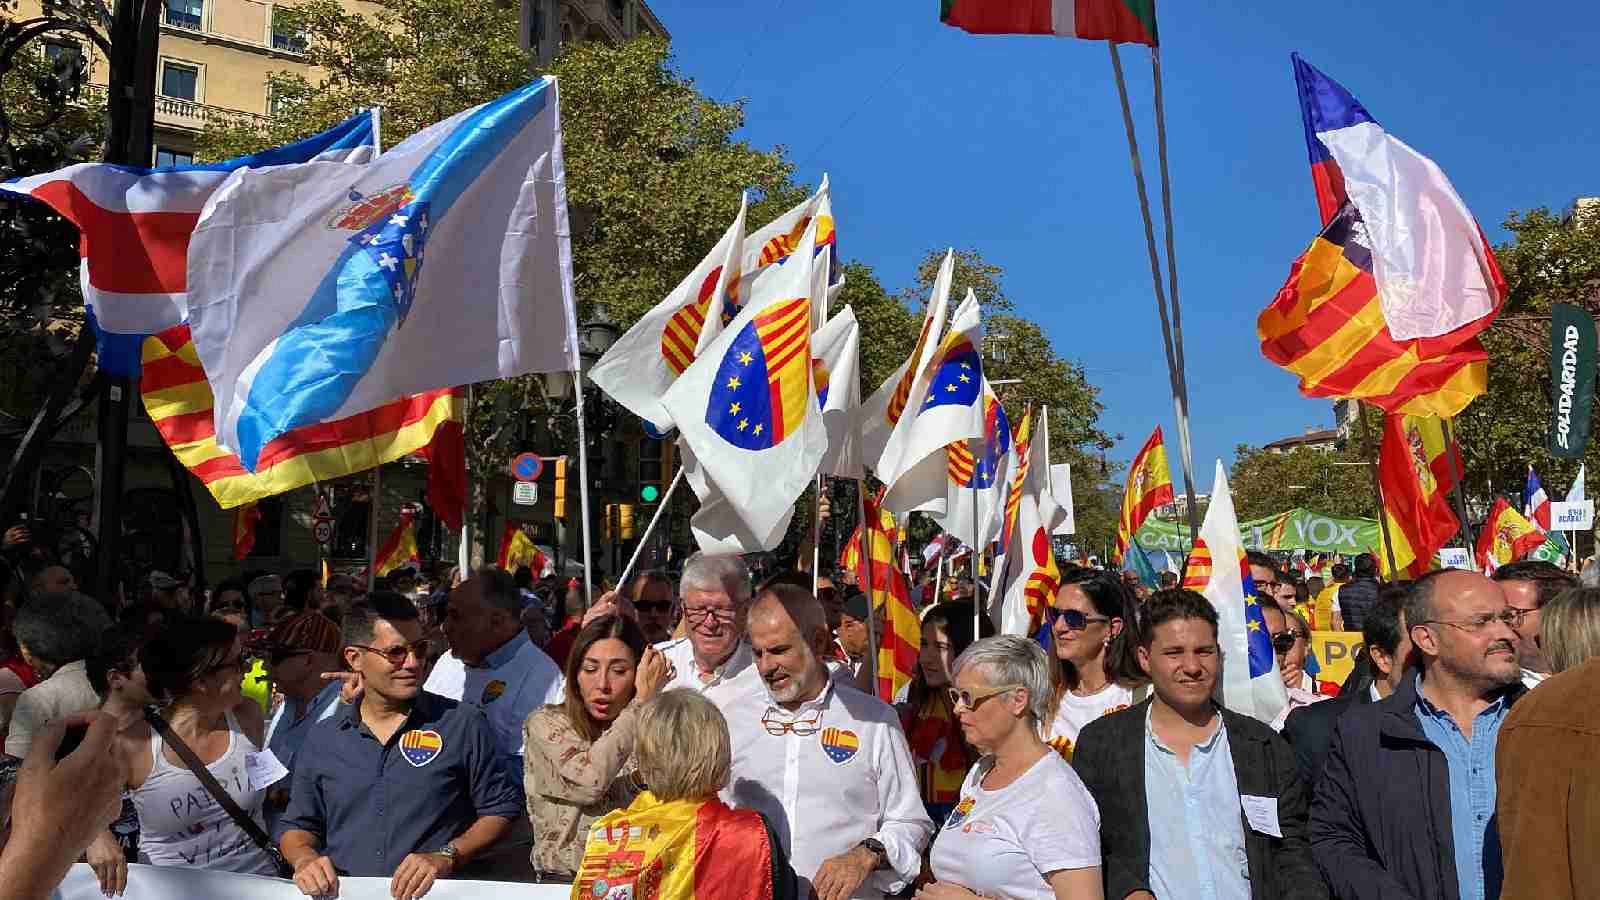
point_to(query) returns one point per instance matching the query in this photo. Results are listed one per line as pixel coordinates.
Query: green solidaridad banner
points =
(1572, 340)
(1297, 529)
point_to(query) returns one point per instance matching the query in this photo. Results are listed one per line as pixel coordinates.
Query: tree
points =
(1335, 482)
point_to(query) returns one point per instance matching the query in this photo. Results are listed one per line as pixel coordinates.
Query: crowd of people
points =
(710, 724)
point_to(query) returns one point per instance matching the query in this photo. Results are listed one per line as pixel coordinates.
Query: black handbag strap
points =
(218, 793)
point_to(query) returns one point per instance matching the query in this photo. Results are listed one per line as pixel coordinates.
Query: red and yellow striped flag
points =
(1416, 470)
(680, 849)
(1149, 486)
(901, 640)
(401, 547)
(1326, 326)
(244, 530)
(1019, 476)
(179, 401)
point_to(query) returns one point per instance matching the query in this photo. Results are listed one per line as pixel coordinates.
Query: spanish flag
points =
(244, 530)
(1149, 486)
(688, 849)
(177, 397)
(1417, 468)
(517, 550)
(1507, 537)
(401, 547)
(901, 640)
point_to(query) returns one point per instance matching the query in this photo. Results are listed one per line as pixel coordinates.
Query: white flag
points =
(836, 362)
(976, 477)
(309, 298)
(1576, 495)
(643, 363)
(747, 408)
(882, 411)
(1026, 579)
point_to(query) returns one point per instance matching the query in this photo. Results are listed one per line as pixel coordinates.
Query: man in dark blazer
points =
(1309, 729)
(1194, 800)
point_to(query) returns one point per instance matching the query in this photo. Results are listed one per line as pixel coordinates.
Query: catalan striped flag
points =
(1391, 313)
(882, 411)
(1417, 468)
(1019, 477)
(688, 849)
(179, 402)
(1149, 486)
(901, 640)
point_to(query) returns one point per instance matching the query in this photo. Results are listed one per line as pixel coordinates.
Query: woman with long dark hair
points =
(1094, 639)
(576, 756)
(937, 745)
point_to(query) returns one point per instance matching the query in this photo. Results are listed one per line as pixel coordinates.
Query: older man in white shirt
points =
(715, 657)
(827, 764)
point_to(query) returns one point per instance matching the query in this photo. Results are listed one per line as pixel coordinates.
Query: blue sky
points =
(1014, 146)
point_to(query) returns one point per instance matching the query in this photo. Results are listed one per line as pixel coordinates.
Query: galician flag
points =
(1250, 684)
(1121, 21)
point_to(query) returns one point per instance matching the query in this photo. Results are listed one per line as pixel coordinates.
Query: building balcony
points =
(188, 115)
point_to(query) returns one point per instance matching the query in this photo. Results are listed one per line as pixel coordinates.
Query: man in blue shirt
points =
(403, 783)
(1405, 806)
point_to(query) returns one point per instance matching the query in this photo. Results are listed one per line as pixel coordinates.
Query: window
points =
(286, 38)
(182, 13)
(649, 459)
(55, 49)
(166, 156)
(179, 81)
(619, 8)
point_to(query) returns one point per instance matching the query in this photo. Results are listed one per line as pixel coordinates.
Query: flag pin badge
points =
(840, 744)
(420, 747)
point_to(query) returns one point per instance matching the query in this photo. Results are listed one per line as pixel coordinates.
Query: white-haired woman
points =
(1025, 828)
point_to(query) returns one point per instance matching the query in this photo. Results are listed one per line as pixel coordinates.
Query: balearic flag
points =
(400, 547)
(1250, 683)
(882, 410)
(1535, 502)
(134, 226)
(1387, 303)
(976, 471)
(178, 401)
(945, 406)
(646, 360)
(1149, 486)
(835, 364)
(309, 296)
(1121, 21)
(748, 417)
(1507, 537)
(1416, 469)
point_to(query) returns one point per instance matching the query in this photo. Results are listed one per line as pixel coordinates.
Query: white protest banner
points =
(1455, 558)
(165, 883)
(1566, 516)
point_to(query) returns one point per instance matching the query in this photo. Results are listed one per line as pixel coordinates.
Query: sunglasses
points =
(1283, 641)
(1076, 619)
(397, 655)
(969, 700)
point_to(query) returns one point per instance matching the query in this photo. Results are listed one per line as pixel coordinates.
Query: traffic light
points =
(625, 521)
(649, 493)
(561, 487)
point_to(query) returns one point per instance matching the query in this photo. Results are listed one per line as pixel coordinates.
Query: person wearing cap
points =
(266, 596)
(168, 593)
(298, 650)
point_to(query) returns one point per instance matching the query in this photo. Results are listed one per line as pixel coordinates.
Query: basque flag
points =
(134, 227)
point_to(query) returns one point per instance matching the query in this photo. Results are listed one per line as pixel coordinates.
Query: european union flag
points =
(957, 375)
(762, 389)
(1257, 639)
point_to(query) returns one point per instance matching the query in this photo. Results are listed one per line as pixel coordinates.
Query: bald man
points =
(795, 729)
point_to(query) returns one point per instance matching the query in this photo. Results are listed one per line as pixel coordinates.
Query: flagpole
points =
(1377, 487)
(650, 528)
(583, 486)
(976, 606)
(864, 556)
(816, 537)
(1180, 400)
(372, 528)
(1452, 450)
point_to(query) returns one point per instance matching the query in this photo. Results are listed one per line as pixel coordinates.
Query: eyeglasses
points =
(960, 698)
(1519, 615)
(1283, 641)
(397, 655)
(805, 726)
(1076, 619)
(701, 613)
(1511, 616)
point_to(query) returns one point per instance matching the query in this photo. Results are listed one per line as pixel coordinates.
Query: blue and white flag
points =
(321, 290)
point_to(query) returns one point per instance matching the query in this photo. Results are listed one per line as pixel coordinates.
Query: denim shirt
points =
(1196, 833)
(1472, 792)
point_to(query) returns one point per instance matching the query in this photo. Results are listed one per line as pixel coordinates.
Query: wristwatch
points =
(449, 851)
(876, 846)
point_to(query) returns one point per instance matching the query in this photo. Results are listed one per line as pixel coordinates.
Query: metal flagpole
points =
(1180, 399)
(864, 556)
(977, 607)
(583, 486)
(816, 538)
(1452, 449)
(650, 529)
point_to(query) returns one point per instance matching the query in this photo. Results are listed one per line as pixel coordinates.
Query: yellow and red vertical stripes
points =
(785, 334)
(1149, 486)
(244, 530)
(901, 640)
(1023, 445)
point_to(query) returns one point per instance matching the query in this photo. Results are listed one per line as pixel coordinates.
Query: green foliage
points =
(1335, 482)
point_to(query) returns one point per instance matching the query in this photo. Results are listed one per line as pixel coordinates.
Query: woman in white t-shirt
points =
(1094, 635)
(1025, 828)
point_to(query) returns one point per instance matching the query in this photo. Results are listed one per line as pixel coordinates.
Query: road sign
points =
(323, 531)
(524, 493)
(526, 467)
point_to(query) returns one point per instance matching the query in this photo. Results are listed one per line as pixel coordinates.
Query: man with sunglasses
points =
(654, 598)
(1291, 639)
(297, 651)
(402, 784)
(827, 765)
(1405, 805)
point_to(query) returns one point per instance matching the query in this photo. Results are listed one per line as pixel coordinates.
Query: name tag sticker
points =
(263, 770)
(1262, 814)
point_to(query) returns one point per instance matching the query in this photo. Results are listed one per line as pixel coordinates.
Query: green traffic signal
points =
(650, 493)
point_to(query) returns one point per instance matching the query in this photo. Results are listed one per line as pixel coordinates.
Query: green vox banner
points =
(1297, 529)
(1572, 359)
